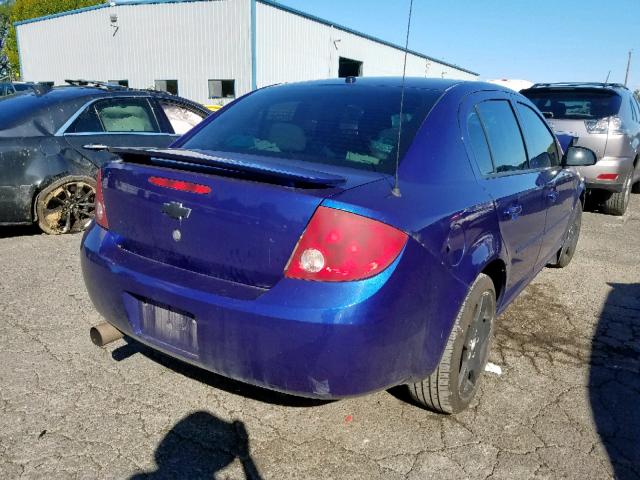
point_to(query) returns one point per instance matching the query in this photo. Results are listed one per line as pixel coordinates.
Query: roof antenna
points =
(607, 79)
(395, 191)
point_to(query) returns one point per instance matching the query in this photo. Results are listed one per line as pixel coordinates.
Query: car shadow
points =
(219, 382)
(199, 446)
(614, 379)
(19, 231)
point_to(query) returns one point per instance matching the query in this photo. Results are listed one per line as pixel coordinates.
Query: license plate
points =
(175, 328)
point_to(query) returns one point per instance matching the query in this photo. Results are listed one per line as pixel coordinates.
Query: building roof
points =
(265, 2)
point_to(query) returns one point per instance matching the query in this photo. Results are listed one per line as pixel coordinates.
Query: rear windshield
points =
(345, 125)
(575, 104)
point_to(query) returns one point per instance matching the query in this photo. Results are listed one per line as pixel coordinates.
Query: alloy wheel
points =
(70, 207)
(475, 350)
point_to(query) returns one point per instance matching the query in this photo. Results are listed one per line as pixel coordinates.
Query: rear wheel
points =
(617, 202)
(565, 254)
(635, 187)
(454, 383)
(67, 205)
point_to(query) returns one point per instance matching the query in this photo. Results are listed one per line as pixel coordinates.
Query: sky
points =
(536, 40)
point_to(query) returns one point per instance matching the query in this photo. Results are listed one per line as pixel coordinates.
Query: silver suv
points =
(604, 117)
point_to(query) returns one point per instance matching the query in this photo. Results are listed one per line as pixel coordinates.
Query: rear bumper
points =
(323, 340)
(621, 166)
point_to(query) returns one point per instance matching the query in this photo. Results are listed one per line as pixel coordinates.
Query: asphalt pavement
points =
(566, 404)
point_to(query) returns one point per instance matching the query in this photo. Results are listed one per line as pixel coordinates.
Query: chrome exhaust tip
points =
(104, 333)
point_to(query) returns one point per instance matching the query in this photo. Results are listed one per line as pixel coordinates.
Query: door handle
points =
(513, 211)
(552, 195)
(95, 146)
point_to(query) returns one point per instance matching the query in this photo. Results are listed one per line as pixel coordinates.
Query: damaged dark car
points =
(53, 142)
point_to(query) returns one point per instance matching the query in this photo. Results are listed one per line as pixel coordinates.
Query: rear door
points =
(494, 136)
(116, 122)
(559, 184)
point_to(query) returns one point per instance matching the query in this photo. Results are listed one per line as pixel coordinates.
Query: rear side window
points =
(22, 87)
(86, 122)
(6, 89)
(347, 125)
(503, 134)
(116, 115)
(479, 145)
(541, 144)
(575, 104)
(181, 118)
(634, 112)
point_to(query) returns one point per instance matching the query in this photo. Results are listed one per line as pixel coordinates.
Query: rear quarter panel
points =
(446, 212)
(29, 164)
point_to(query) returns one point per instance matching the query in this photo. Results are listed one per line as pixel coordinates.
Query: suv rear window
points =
(575, 103)
(344, 125)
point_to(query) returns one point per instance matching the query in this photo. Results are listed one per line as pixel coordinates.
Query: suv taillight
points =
(611, 125)
(339, 246)
(100, 209)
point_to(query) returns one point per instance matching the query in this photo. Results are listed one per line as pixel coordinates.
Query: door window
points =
(541, 144)
(479, 144)
(181, 118)
(503, 134)
(116, 115)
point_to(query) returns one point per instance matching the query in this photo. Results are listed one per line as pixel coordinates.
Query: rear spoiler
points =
(188, 159)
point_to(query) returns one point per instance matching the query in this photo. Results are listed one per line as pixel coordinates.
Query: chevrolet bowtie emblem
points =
(176, 210)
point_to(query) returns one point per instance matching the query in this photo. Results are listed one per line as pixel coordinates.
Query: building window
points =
(169, 86)
(349, 68)
(222, 89)
(122, 83)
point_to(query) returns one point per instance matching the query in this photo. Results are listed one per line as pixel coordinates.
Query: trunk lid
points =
(244, 230)
(577, 128)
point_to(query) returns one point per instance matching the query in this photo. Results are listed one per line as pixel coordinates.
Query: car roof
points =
(71, 92)
(437, 84)
(410, 82)
(577, 86)
(84, 93)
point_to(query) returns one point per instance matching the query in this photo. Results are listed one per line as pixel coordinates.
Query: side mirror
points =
(579, 157)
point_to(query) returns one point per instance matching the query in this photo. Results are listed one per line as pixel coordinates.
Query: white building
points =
(512, 83)
(207, 50)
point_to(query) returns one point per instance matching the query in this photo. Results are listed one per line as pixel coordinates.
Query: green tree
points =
(26, 9)
(5, 12)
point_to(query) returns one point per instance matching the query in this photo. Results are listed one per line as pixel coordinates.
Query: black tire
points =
(617, 203)
(565, 254)
(465, 355)
(635, 187)
(67, 205)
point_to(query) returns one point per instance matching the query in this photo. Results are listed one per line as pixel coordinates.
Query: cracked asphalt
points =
(565, 405)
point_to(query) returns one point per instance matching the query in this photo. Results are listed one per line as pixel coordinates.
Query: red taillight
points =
(339, 246)
(608, 176)
(180, 185)
(100, 210)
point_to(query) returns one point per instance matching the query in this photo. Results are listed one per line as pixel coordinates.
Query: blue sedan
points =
(334, 238)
